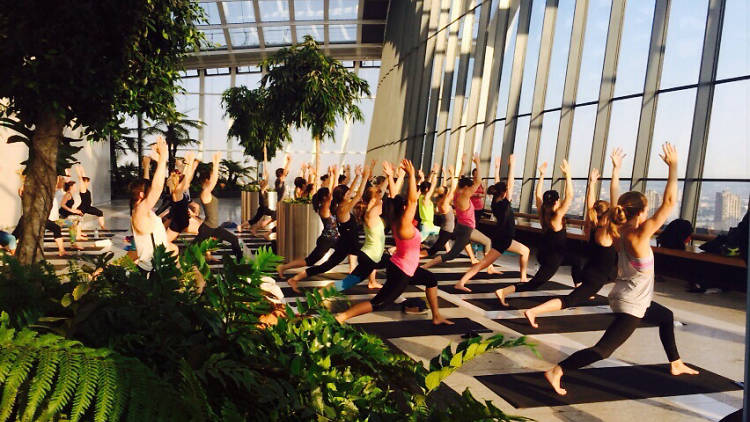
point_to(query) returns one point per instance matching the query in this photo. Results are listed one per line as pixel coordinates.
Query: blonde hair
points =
(629, 206)
(602, 216)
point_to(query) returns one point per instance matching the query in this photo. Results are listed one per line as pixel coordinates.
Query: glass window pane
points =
(315, 31)
(273, 10)
(278, 35)
(215, 131)
(674, 121)
(239, 11)
(734, 53)
(654, 194)
(728, 149)
(250, 80)
(191, 85)
(592, 57)
(342, 33)
(548, 138)
(371, 75)
(532, 56)
(623, 130)
(217, 84)
(475, 29)
(582, 135)
(722, 205)
(636, 36)
(212, 13)
(343, 9)
(559, 59)
(682, 54)
(510, 47)
(244, 37)
(519, 147)
(214, 39)
(308, 10)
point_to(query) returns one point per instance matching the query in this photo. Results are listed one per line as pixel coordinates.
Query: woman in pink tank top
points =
(465, 231)
(403, 268)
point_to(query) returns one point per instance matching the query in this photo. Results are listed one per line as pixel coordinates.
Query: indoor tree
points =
(175, 130)
(260, 131)
(312, 90)
(83, 64)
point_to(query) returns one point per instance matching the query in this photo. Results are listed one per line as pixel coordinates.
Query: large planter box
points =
(251, 201)
(297, 229)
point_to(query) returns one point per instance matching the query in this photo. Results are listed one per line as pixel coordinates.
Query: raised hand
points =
(372, 165)
(407, 166)
(287, 159)
(498, 161)
(475, 159)
(189, 157)
(387, 168)
(435, 168)
(564, 167)
(543, 168)
(617, 156)
(668, 154)
(451, 171)
(511, 159)
(161, 148)
(217, 157)
(594, 176)
(358, 170)
(420, 173)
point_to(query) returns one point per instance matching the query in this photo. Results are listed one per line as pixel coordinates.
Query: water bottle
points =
(96, 233)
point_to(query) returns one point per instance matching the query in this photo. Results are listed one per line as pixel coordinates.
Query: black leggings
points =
(620, 330)
(344, 247)
(593, 281)
(396, 282)
(439, 245)
(262, 210)
(550, 262)
(221, 234)
(88, 209)
(322, 245)
(461, 238)
(54, 228)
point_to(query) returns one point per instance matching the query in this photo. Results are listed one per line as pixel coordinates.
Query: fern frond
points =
(107, 393)
(89, 377)
(16, 377)
(41, 383)
(70, 364)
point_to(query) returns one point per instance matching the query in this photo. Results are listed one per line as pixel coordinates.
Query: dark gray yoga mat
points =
(594, 385)
(492, 304)
(491, 287)
(511, 276)
(359, 289)
(573, 323)
(420, 327)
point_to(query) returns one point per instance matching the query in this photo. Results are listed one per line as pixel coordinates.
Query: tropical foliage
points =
(258, 130)
(175, 130)
(209, 344)
(85, 64)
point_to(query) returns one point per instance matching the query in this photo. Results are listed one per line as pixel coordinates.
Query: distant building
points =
(654, 200)
(728, 208)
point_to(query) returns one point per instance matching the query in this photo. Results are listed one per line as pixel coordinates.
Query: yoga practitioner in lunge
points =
(426, 207)
(321, 202)
(85, 191)
(631, 297)
(179, 186)
(465, 230)
(602, 233)
(343, 201)
(552, 253)
(403, 267)
(502, 238)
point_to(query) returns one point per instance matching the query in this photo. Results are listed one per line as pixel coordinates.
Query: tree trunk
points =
(39, 187)
(316, 181)
(113, 179)
(265, 160)
(140, 145)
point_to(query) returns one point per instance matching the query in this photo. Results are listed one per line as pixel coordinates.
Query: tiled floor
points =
(711, 335)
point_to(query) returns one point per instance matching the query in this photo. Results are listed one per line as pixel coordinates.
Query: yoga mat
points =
(69, 249)
(492, 304)
(420, 327)
(511, 276)
(594, 385)
(491, 287)
(91, 238)
(442, 304)
(359, 289)
(573, 323)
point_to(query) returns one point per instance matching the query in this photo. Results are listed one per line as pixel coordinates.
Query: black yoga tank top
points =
(349, 229)
(86, 199)
(554, 241)
(601, 259)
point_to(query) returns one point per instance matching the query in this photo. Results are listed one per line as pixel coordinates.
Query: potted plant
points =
(308, 89)
(259, 131)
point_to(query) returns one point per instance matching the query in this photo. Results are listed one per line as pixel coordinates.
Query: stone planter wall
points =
(298, 227)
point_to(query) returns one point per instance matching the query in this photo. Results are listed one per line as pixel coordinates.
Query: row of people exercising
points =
(619, 251)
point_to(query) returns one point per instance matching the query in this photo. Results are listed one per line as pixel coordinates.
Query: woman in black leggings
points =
(86, 207)
(601, 265)
(552, 253)
(328, 238)
(348, 243)
(631, 297)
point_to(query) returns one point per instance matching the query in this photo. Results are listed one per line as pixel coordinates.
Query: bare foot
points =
(340, 318)
(531, 317)
(293, 283)
(83, 236)
(254, 231)
(374, 285)
(78, 247)
(280, 270)
(524, 280)
(491, 270)
(62, 253)
(553, 377)
(460, 286)
(500, 293)
(442, 321)
(678, 367)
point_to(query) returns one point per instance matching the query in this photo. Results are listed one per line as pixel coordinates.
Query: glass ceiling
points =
(257, 24)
